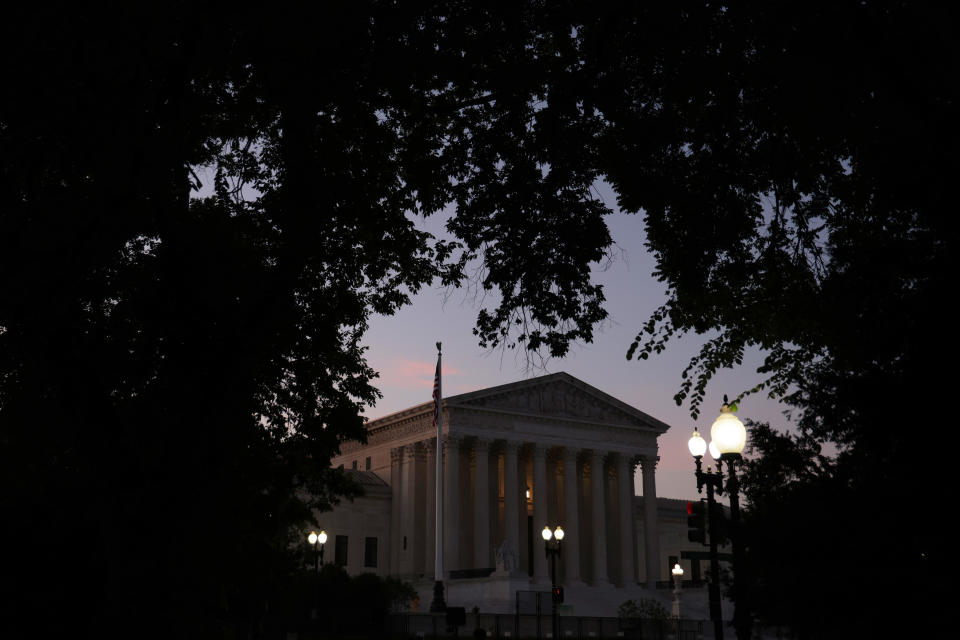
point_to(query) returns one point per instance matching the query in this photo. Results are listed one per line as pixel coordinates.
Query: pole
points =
(438, 605)
(716, 613)
(742, 622)
(553, 590)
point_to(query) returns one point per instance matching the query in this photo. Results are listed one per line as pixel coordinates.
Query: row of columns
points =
(413, 478)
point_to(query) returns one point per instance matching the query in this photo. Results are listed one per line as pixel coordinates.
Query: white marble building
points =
(545, 451)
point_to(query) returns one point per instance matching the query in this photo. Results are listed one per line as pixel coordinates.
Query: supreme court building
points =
(545, 451)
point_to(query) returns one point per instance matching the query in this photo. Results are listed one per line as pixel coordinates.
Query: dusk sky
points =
(402, 349)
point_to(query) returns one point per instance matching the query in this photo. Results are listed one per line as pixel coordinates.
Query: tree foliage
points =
(177, 371)
(792, 164)
(645, 608)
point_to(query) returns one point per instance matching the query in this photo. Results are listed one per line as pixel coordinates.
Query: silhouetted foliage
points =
(201, 206)
(333, 604)
(793, 163)
(645, 608)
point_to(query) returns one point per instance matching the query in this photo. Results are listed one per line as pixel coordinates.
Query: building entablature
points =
(556, 410)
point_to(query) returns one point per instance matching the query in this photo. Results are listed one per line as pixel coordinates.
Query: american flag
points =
(436, 391)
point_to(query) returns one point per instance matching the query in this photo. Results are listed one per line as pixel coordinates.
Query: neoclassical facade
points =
(545, 451)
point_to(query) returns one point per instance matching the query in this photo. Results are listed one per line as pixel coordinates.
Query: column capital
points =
(409, 452)
(451, 440)
(627, 460)
(649, 463)
(512, 447)
(600, 458)
(429, 445)
(420, 450)
(538, 450)
(396, 454)
(479, 447)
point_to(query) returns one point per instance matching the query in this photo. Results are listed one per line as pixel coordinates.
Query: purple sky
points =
(402, 350)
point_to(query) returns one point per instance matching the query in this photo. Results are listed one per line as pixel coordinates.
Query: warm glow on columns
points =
(728, 432)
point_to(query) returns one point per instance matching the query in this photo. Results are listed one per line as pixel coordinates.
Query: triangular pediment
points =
(559, 396)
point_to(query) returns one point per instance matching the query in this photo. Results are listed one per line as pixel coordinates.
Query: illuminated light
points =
(728, 432)
(558, 534)
(322, 537)
(697, 445)
(546, 533)
(714, 451)
(312, 538)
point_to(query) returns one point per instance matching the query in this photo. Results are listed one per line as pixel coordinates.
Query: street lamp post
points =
(316, 539)
(677, 573)
(728, 438)
(698, 446)
(552, 550)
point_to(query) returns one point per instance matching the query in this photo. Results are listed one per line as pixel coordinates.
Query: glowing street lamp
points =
(317, 539)
(553, 552)
(677, 573)
(714, 450)
(697, 445)
(728, 437)
(728, 432)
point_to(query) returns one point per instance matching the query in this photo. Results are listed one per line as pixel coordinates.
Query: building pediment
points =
(558, 396)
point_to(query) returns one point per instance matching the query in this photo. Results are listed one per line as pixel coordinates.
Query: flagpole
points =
(438, 605)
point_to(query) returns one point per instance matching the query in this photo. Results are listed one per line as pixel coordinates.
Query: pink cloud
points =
(412, 374)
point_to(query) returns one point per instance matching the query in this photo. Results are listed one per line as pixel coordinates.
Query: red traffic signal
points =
(697, 522)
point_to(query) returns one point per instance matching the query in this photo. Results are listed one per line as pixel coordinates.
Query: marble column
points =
(625, 502)
(651, 543)
(407, 508)
(511, 500)
(540, 571)
(418, 526)
(571, 518)
(396, 461)
(481, 504)
(451, 503)
(598, 496)
(430, 514)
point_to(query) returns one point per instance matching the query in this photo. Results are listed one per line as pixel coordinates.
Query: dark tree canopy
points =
(176, 372)
(794, 163)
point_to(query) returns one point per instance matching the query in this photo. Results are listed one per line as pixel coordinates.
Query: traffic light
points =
(558, 595)
(719, 526)
(697, 522)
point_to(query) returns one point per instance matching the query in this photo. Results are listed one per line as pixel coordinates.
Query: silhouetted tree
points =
(177, 370)
(200, 207)
(793, 163)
